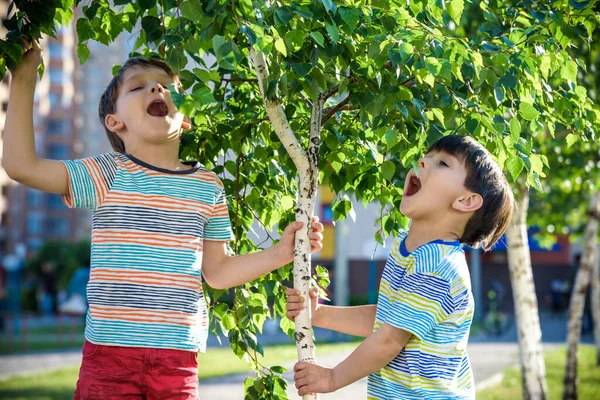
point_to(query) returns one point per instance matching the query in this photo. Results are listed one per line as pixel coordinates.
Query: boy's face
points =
(144, 110)
(438, 189)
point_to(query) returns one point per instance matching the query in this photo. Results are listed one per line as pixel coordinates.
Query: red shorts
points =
(111, 372)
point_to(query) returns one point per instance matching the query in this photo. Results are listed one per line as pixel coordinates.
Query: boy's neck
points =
(421, 233)
(165, 156)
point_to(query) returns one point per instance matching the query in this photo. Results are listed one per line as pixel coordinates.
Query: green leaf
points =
(388, 169)
(203, 96)
(152, 27)
(569, 71)
(528, 111)
(333, 33)
(318, 37)
(499, 94)
(82, 52)
(404, 94)
(571, 139)
(515, 128)
(515, 165)
(146, 4)
(350, 17)
(455, 9)
(192, 10)
(280, 46)
(84, 30)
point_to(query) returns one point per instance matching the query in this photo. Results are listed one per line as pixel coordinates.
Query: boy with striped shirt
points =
(416, 336)
(159, 225)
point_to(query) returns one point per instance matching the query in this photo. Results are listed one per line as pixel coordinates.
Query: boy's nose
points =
(157, 87)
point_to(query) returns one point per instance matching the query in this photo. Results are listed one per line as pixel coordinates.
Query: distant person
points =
(417, 334)
(159, 226)
(76, 303)
(48, 290)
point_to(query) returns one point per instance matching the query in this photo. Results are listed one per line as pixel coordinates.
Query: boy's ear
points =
(187, 123)
(113, 123)
(470, 202)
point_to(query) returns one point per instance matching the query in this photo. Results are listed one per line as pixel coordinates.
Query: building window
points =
(34, 222)
(35, 198)
(57, 77)
(56, 50)
(59, 152)
(58, 126)
(54, 99)
(58, 227)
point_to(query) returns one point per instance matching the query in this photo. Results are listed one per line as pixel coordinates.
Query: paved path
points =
(487, 360)
(231, 387)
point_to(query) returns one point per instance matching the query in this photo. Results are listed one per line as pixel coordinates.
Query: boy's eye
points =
(135, 88)
(443, 163)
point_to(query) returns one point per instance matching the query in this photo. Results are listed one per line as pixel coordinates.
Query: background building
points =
(66, 127)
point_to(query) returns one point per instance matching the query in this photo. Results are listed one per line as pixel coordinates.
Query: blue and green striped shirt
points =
(427, 293)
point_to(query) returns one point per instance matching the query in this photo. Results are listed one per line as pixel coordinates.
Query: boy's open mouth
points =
(158, 108)
(414, 185)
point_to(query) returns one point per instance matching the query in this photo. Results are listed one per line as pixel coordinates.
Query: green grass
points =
(588, 373)
(60, 384)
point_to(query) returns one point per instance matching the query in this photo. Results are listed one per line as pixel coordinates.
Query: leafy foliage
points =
(396, 76)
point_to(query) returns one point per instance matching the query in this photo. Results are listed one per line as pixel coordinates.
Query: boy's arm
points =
(222, 271)
(356, 321)
(19, 157)
(374, 353)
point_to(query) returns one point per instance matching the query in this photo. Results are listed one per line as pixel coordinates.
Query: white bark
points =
(582, 280)
(533, 371)
(595, 292)
(307, 164)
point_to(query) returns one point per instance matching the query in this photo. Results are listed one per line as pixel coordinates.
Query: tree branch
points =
(239, 80)
(342, 105)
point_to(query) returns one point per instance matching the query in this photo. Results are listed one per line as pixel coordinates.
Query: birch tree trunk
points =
(595, 293)
(533, 371)
(307, 163)
(582, 280)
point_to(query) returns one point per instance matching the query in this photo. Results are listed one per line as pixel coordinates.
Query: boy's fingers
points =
(299, 366)
(314, 291)
(317, 227)
(292, 292)
(36, 45)
(315, 236)
(295, 300)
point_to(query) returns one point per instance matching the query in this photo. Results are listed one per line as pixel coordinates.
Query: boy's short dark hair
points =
(484, 177)
(108, 101)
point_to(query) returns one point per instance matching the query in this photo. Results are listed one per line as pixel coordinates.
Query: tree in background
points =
(366, 86)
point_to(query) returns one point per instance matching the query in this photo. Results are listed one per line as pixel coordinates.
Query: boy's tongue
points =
(414, 185)
(158, 109)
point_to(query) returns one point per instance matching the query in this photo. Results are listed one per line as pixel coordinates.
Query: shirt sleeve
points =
(90, 179)
(423, 301)
(218, 226)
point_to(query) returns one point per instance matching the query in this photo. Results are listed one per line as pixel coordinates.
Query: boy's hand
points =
(27, 68)
(295, 303)
(285, 246)
(312, 378)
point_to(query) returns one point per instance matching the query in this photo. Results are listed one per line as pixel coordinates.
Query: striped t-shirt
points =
(148, 227)
(427, 293)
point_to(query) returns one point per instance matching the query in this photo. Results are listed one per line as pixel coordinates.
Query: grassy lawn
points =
(60, 384)
(588, 374)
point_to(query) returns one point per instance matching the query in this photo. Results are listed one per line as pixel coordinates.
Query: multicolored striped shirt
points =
(148, 228)
(427, 293)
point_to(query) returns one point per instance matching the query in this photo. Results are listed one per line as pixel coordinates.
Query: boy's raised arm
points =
(19, 157)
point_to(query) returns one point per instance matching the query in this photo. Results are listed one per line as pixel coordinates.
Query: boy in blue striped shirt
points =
(416, 336)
